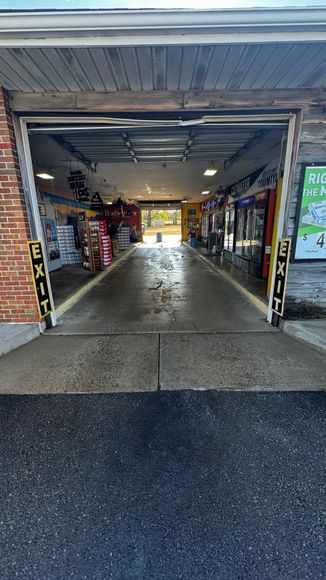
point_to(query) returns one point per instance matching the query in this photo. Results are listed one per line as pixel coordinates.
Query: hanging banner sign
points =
(38, 265)
(96, 199)
(311, 226)
(242, 186)
(282, 267)
(268, 179)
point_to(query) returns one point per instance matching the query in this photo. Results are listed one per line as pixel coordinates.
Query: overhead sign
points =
(268, 179)
(42, 209)
(282, 266)
(96, 199)
(39, 277)
(77, 182)
(311, 225)
(242, 186)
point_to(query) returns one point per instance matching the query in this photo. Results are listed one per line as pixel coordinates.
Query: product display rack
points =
(91, 245)
(124, 238)
(95, 244)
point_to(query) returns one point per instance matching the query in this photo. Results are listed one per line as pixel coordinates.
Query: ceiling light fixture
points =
(211, 170)
(44, 175)
(205, 192)
(184, 201)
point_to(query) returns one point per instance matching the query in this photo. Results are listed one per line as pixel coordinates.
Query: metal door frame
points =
(293, 124)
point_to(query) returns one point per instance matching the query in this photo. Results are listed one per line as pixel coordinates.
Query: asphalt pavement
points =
(163, 485)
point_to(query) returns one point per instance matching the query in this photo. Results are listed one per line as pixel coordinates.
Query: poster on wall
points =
(51, 239)
(311, 229)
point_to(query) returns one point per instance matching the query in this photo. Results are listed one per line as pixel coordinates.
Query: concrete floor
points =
(67, 280)
(162, 320)
(174, 486)
(255, 285)
(162, 289)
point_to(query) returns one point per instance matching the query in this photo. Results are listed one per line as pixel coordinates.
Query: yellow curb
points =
(257, 302)
(67, 304)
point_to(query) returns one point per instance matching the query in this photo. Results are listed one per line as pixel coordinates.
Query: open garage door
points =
(171, 163)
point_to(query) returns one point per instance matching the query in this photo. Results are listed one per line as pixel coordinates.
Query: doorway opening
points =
(161, 225)
(211, 181)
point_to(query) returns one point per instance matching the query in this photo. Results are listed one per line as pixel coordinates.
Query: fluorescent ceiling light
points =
(184, 201)
(45, 175)
(205, 192)
(210, 171)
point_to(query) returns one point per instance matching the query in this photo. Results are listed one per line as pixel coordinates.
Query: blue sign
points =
(246, 201)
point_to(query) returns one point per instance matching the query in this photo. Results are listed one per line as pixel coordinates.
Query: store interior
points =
(96, 181)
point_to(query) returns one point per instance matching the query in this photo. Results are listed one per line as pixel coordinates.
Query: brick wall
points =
(17, 298)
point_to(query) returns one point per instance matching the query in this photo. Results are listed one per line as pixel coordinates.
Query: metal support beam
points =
(69, 147)
(188, 146)
(27, 172)
(285, 192)
(129, 146)
(241, 152)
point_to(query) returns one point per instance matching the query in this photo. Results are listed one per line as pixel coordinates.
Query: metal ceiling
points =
(148, 68)
(160, 144)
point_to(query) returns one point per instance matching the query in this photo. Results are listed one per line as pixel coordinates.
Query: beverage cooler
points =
(229, 233)
(253, 228)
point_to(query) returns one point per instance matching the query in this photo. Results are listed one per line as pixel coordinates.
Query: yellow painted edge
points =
(71, 301)
(259, 304)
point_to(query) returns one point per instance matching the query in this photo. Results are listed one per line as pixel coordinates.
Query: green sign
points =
(311, 233)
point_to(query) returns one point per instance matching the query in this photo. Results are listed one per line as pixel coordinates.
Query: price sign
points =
(311, 226)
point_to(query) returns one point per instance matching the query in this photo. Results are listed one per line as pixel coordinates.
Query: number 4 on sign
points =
(321, 241)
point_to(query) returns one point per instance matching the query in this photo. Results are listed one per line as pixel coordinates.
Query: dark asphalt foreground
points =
(163, 486)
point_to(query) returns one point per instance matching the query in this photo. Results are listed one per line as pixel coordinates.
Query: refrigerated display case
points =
(250, 233)
(204, 226)
(229, 233)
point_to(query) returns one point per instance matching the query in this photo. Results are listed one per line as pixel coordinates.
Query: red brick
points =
(18, 302)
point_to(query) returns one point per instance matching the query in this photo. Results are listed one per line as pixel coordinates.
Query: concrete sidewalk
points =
(248, 361)
(311, 331)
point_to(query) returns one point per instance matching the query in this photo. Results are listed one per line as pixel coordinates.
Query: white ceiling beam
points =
(161, 27)
(265, 37)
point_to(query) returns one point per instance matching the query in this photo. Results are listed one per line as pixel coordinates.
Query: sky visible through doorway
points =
(135, 4)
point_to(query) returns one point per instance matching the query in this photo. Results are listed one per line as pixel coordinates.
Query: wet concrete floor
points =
(162, 289)
(162, 320)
